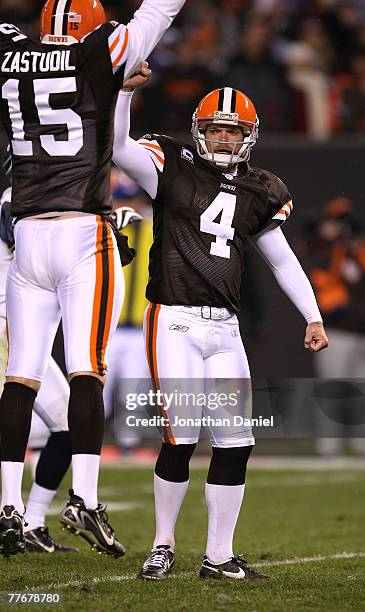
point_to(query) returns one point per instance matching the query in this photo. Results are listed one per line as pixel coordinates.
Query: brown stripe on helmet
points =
(65, 17)
(53, 16)
(220, 99)
(233, 101)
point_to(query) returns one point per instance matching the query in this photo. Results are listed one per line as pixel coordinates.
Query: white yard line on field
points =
(301, 480)
(258, 462)
(259, 482)
(55, 509)
(313, 463)
(125, 577)
(300, 560)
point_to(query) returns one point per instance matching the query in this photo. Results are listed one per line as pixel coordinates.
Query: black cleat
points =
(11, 532)
(236, 568)
(159, 564)
(92, 525)
(39, 540)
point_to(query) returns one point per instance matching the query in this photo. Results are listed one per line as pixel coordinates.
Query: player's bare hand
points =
(140, 77)
(315, 337)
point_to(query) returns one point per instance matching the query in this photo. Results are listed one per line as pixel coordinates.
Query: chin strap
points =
(225, 161)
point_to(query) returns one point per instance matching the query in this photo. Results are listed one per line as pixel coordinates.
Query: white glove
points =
(124, 215)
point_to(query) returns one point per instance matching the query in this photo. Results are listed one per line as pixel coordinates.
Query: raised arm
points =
(274, 248)
(128, 154)
(147, 27)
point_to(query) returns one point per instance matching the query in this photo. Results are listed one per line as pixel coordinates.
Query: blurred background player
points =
(69, 151)
(128, 368)
(207, 203)
(49, 430)
(336, 265)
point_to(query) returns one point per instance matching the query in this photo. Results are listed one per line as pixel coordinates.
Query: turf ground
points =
(306, 528)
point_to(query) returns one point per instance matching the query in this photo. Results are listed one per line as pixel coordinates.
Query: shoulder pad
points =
(273, 184)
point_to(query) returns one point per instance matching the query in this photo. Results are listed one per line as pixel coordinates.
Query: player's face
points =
(222, 138)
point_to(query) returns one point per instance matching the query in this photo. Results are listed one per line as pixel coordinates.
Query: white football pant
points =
(65, 266)
(200, 358)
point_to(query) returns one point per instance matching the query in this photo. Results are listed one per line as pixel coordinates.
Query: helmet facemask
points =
(240, 151)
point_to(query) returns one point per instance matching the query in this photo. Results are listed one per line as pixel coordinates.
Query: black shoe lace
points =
(103, 516)
(240, 561)
(45, 534)
(158, 558)
(44, 531)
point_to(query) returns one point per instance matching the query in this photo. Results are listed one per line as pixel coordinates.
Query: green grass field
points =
(288, 518)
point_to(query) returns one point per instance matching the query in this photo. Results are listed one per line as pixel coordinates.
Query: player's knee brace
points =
(173, 462)
(54, 460)
(228, 465)
(86, 415)
(16, 407)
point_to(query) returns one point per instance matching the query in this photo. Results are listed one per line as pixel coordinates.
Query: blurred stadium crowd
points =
(303, 64)
(301, 61)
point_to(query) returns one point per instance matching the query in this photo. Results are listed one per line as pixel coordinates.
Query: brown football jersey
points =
(203, 218)
(57, 106)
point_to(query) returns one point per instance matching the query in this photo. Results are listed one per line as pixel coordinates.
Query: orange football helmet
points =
(226, 106)
(67, 21)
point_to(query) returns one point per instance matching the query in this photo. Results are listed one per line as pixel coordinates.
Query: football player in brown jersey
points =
(57, 102)
(207, 203)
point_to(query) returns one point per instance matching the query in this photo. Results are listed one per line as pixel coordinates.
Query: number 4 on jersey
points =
(224, 203)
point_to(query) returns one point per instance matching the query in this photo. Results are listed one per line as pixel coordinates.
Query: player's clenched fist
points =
(140, 77)
(315, 337)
